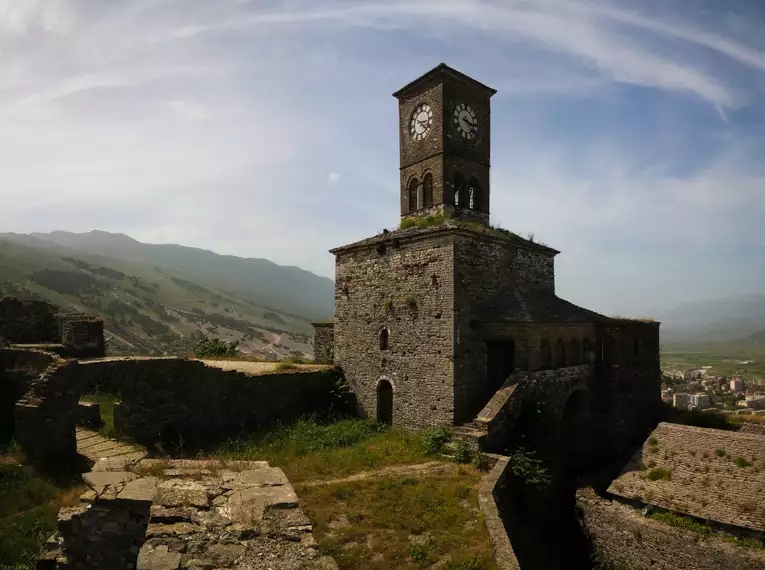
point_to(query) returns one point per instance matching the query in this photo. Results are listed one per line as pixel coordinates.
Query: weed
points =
(435, 439)
(720, 452)
(741, 462)
(411, 303)
(284, 366)
(481, 461)
(653, 441)
(462, 452)
(659, 473)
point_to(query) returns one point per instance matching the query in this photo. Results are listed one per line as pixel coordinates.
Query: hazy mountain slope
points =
(288, 289)
(147, 308)
(716, 320)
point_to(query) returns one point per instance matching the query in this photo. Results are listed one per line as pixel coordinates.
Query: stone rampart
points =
(626, 538)
(167, 400)
(27, 322)
(82, 335)
(489, 495)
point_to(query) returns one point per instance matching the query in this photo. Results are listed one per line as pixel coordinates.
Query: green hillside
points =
(163, 300)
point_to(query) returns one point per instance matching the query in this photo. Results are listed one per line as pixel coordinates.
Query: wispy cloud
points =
(267, 128)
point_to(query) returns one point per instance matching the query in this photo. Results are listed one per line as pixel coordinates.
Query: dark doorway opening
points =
(500, 363)
(385, 402)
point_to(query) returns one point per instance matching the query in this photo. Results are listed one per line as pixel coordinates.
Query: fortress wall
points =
(625, 538)
(324, 343)
(164, 400)
(409, 290)
(27, 322)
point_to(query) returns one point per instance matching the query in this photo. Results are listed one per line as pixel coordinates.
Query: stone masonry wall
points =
(408, 290)
(18, 369)
(482, 266)
(626, 538)
(83, 335)
(324, 343)
(27, 322)
(166, 399)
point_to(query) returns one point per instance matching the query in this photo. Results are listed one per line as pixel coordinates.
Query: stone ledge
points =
(504, 554)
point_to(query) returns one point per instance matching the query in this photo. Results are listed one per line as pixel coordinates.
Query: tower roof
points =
(441, 70)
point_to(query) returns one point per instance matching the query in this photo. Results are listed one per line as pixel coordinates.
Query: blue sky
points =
(629, 135)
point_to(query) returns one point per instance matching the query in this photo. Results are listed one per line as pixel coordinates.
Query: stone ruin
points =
(184, 514)
(39, 323)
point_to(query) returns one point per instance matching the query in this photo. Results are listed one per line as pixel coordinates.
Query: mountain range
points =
(738, 318)
(162, 299)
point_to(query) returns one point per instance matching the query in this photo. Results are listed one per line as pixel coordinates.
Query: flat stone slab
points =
(101, 481)
(94, 447)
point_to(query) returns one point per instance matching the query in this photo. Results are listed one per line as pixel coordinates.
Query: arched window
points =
(574, 357)
(382, 336)
(427, 191)
(560, 353)
(460, 190)
(545, 354)
(413, 183)
(474, 195)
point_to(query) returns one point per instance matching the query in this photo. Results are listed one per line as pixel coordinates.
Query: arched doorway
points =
(384, 402)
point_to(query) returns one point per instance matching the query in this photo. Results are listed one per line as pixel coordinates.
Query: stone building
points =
(432, 319)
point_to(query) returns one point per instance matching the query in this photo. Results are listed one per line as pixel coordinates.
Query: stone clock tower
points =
(445, 142)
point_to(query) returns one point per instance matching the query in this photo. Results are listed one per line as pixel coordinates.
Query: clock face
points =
(465, 121)
(421, 121)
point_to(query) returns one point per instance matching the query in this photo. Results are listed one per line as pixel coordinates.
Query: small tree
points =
(215, 347)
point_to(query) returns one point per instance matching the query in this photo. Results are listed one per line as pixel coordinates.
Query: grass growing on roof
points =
(310, 449)
(401, 522)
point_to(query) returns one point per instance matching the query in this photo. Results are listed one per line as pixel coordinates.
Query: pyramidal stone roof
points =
(707, 473)
(517, 303)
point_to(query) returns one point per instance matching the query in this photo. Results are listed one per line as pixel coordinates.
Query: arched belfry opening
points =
(460, 190)
(413, 184)
(384, 401)
(427, 191)
(474, 195)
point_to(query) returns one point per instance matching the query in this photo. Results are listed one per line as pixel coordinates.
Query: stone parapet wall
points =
(27, 322)
(489, 495)
(626, 538)
(324, 343)
(168, 400)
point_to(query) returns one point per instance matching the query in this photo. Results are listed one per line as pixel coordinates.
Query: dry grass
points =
(401, 522)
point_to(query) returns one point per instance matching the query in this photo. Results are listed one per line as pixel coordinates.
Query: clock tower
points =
(444, 133)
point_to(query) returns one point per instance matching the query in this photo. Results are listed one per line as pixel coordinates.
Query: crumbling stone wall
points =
(165, 399)
(27, 322)
(626, 538)
(324, 343)
(407, 288)
(82, 335)
(18, 369)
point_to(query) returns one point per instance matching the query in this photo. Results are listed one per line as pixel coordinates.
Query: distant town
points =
(698, 389)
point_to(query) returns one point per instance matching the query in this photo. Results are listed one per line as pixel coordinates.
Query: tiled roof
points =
(706, 473)
(526, 305)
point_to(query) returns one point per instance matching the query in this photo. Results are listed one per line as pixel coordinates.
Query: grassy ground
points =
(28, 508)
(308, 450)
(106, 405)
(376, 523)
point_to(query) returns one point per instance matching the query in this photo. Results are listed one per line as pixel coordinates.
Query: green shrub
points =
(462, 452)
(525, 466)
(659, 473)
(215, 347)
(436, 438)
(741, 462)
(481, 461)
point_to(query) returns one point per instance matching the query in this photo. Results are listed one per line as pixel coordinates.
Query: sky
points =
(628, 135)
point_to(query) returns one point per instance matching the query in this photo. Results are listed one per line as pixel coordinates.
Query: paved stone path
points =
(95, 446)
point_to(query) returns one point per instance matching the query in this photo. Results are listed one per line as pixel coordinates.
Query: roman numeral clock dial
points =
(465, 121)
(421, 121)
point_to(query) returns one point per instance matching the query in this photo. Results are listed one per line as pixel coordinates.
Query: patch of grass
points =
(659, 473)
(741, 462)
(402, 522)
(284, 366)
(423, 222)
(436, 438)
(720, 452)
(28, 508)
(687, 523)
(310, 449)
(106, 406)
(653, 441)
(462, 452)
